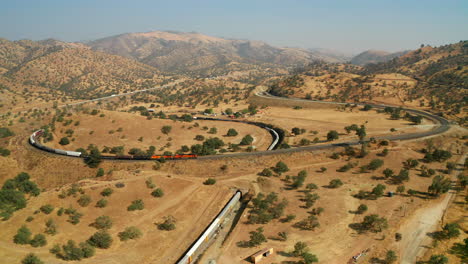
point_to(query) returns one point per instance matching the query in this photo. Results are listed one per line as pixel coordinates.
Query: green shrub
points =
(64, 141)
(102, 222)
(136, 205)
(51, 227)
(157, 193)
(100, 172)
(130, 233)
(101, 239)
(47, 209)
(335, 183)
(101, 203)
(31, 259)
(247, 140)
(168, 223)
(6, 132)
(209, 181)
(23, 236)
(84, 200)
(107, 192)
(38, 240)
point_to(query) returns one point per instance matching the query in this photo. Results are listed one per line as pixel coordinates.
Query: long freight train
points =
(193, 251)
(34, 141)
(277, 134)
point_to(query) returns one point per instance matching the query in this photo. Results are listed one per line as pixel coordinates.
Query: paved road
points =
(442, 125)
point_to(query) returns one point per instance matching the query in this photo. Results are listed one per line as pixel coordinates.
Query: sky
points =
(349, 26)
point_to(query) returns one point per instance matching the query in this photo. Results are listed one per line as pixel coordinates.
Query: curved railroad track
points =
(442, 126)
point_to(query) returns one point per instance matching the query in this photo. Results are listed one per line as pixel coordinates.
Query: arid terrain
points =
(333, 187)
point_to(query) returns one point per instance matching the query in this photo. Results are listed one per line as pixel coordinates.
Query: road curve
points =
(442, 126)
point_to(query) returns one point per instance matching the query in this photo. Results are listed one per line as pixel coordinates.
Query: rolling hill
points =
(69, 68)
(374, 56)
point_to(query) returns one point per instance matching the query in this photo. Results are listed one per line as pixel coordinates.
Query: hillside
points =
(69, 69)
(431, 78)
(374, 56)
(198, 54)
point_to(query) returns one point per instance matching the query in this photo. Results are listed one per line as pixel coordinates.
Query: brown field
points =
(326, 119)
(135, 126)
(333, 242)
(181, 196)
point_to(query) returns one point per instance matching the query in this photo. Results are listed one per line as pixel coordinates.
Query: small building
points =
(151, 110)
(257, 257)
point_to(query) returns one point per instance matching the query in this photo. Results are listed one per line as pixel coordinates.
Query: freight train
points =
(194, 250)
(34, 141)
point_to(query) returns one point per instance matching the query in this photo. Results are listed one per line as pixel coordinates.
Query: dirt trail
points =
(415, 240)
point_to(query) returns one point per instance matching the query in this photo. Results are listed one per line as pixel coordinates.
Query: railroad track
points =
(442, 125)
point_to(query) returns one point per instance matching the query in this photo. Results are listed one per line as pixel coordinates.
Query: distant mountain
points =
(70, 68)
(375, 56)
(331, 55)
(198, 54)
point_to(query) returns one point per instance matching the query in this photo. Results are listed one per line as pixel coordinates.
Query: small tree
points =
(361, 209)
(374, 223)
(257, 237)
(101, 203)
(51, 227)
(309, 258)
(266, 172)
(102, 222)
(335, 183)
(209, 181)
(280, 167)
(168, 224)
(247, 140)
(390, 257)
(31, 259)
(332, 135)
(158, 192)
(100, 172)
(39, 240)
(388, 173)
(378, 190)
(23, 236)
(101, 239)
(47, 209)
(64, 141)
(232, 132)
(130, 233)
(107, 192)
(84, 200)
(299, 249)
(438, 259)
(166, 130)
(136, 205)
(400, 189)
(375, 164)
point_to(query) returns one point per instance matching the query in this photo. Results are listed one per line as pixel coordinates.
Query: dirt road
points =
(415, 239)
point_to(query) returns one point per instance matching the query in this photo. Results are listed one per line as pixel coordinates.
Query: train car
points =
(61, 152)
(73, 153)
(189, 255)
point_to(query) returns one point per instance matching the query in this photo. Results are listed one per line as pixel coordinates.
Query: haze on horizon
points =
(336, 24)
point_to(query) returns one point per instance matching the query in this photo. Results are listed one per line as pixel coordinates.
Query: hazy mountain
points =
(194, 53)
(331, 55)
(374, 56)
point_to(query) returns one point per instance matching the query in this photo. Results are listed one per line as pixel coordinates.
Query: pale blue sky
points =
(345, 25)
